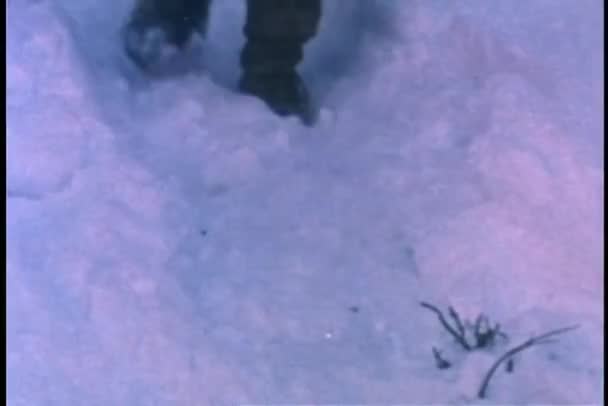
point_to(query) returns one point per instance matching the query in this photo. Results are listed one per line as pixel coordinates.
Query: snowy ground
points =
(173, 243)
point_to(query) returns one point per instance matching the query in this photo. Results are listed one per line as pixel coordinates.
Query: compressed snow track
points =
(171, 242)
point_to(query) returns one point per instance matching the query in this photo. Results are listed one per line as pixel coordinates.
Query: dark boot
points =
(276, 32)
(154, 23)
(284, 93)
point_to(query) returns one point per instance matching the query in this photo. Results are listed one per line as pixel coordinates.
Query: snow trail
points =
(172, 242)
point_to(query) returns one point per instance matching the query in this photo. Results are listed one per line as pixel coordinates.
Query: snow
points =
(171, 242)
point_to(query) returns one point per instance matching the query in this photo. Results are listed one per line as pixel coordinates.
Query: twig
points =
(457, 321)
(542, 339)
(441, 362)
(447, 326)
(510, 365)
(480, 338)
(477, 325)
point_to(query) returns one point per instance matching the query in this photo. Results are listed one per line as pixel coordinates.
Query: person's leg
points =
(276, 31)
(153, 22)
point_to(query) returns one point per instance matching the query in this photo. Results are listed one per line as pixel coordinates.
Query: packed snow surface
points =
(171, 242)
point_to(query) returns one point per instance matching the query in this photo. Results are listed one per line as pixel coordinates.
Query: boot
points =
(156, 23)
(283, 92)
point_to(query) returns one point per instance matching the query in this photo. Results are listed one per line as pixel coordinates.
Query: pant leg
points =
(276, 31)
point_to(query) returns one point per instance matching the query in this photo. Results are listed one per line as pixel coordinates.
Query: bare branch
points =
(477, 325)
(447, 326)
(542, 339)
(439, 361)
(457, 321)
